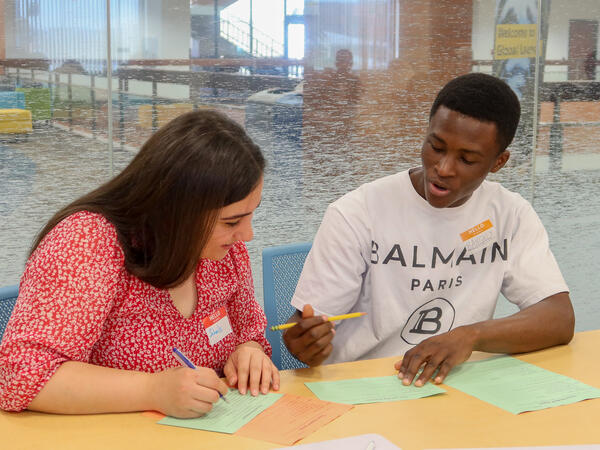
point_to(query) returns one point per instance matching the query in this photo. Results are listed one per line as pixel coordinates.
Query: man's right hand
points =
(310, 339)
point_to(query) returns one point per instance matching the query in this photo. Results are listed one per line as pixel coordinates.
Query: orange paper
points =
(292, 418)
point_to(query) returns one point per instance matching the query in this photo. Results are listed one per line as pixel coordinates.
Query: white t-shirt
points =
(419, 271)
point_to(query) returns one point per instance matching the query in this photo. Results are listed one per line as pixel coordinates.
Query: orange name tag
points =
(478, 236)
(476, 230)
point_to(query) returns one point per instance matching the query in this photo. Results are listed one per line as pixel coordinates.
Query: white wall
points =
(152, 29)
(166, 29)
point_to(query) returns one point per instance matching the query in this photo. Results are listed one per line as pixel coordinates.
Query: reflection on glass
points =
(294, 7)
(349, 104)
(255, 27)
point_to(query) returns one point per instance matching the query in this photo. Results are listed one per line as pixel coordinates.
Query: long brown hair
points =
(165, 203)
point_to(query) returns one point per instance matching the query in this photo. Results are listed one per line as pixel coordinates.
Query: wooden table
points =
(443, 421)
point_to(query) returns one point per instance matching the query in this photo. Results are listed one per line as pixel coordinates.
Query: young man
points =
(426, 252)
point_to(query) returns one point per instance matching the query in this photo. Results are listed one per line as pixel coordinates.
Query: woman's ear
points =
(500, 161)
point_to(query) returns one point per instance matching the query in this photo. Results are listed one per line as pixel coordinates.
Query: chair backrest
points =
(8, 297)
(282, 266)
(12, 100)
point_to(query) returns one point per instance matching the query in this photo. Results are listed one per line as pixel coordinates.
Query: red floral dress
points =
(78, 302)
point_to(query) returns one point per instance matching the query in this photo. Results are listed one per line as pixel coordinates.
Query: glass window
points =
(336, 92)
(296, 41)
(294, 7)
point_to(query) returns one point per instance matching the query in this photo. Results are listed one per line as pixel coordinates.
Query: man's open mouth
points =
(438, 188)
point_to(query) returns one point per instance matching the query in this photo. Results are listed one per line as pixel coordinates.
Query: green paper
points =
(230, 416)
(517, 386)
(370, 390)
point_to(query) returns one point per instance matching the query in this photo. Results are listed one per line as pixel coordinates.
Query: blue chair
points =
(282, 265)
(8, 297)
(12, 100)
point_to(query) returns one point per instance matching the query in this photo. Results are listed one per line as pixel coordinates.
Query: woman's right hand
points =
(185, 393)
(310, 339)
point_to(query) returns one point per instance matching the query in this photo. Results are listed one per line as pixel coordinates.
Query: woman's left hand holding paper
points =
(251, 369)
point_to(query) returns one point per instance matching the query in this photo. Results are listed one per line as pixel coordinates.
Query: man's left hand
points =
(438, 353)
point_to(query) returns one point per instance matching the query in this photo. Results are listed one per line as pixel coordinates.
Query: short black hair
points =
(485, 98)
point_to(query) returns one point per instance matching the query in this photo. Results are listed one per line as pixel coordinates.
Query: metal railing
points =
(35, 72)
(250, 39)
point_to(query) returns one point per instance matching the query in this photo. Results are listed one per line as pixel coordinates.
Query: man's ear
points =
(500, 161)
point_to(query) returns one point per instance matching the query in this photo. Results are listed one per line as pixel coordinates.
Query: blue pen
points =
(184, 361)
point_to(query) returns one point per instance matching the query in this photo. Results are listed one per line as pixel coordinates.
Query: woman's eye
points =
(232, 224)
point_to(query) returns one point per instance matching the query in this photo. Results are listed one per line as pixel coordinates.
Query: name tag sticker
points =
(478, 236)
(217, 325)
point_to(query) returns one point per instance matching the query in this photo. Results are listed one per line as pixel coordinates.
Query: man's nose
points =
(445, 166)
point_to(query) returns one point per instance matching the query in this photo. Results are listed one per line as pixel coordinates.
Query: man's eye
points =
(435, 149)
(466, 161)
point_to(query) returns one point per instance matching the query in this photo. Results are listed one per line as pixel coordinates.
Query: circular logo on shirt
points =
(434, 317)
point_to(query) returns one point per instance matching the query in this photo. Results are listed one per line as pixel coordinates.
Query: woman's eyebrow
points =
(237, 216)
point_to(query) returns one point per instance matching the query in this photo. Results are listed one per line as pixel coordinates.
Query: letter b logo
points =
(428, 321)
(434, 317)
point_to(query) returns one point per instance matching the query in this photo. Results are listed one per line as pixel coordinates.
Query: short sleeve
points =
(65, 295)
(246, 315)
(533, 273)
(332, 276)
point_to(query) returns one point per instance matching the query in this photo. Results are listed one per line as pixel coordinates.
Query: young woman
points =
(152, 260)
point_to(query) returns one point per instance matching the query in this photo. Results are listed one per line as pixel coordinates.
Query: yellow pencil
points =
(284, 326)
